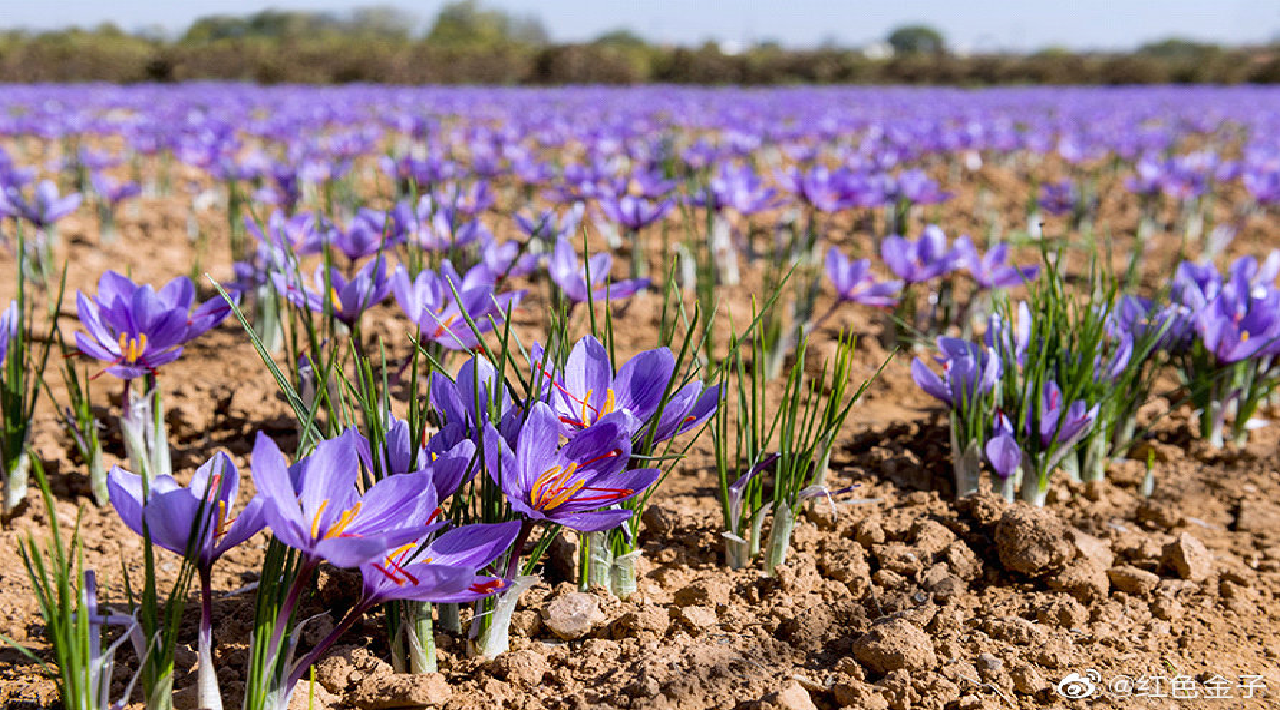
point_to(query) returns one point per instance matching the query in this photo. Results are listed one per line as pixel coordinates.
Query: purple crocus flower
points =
(969, 370)
(429, 573)
(476, 386)
(1241, 321)
(430, 302)
(588, 390)
(348, 299)
(565, 270)
(1065, 424)
(854, 282)
(368, 233)
(568, 485)
(1058, 198)
(547, 226)
(992, 270)
(448, 456)
(920, 260)
(632, 212)
(113, 191)
(174, 514)
(43, 209)
(314, 505)
(1002, 449)
(137, 329)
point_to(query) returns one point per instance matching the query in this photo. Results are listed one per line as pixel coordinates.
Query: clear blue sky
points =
(982, 25)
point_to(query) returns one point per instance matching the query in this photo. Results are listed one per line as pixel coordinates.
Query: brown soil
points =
(903, 599)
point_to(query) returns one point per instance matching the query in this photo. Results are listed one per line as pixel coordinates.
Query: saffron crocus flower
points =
(633, 213)
(854, 282)
(588, 390)
(137, 329)
(476, 386)
(969, 370)
(430, 573)
(174, 514)
(314, 505)
(44, 208)
(920, 260)
(1058, 198)
(568, 485)
(687, 409)
(1064, 424)
(739, 189)
(565, 270)
(448, 457)
(1002, 449)
(113, 191)
(1241, 321)
(992, 270)
(368, 233)
(430, 302)
(348, 299)
(546, 225)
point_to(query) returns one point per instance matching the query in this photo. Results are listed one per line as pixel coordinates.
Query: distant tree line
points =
(470, 43)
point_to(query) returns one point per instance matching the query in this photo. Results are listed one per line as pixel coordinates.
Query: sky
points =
(972, 25)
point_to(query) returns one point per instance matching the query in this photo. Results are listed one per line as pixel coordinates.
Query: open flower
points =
(314, 505)
(43, 209)
(968, 370)
(854, 281)
(565, 270)
(430, 302)
(137, 329)
(348, 299)
(444, 570)
(194, 518)
(919, 260)
(568, 485)
(588, 390)
(992, 270)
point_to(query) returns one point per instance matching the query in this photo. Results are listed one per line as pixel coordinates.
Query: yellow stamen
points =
(586, 420)
(610, 401)
(131, 349)
(343, 521)
(221, 529)
(315, 522)
(1244, 336)
(398, 554)
(335, 299)
(552, 487)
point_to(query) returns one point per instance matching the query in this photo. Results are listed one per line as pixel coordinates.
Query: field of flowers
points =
(379, 397)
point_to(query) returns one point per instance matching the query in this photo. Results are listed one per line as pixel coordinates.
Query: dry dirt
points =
(903, 599)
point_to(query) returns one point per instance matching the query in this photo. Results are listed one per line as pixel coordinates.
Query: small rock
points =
(899, 558)
(1134, 581)
(962, 561)
(790, 696)
(1085, 579)
(1093, 548)
(1026, 680)
(989, 664)
(1188, 557)
(697, 617)
(896, 644)
(402, 691)
(572, 615)
(1032, 540)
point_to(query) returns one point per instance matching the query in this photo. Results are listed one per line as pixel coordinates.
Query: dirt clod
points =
(1135, 581)
(402, 691)
(896, 644)
(1032, 540)
(1188, 557)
